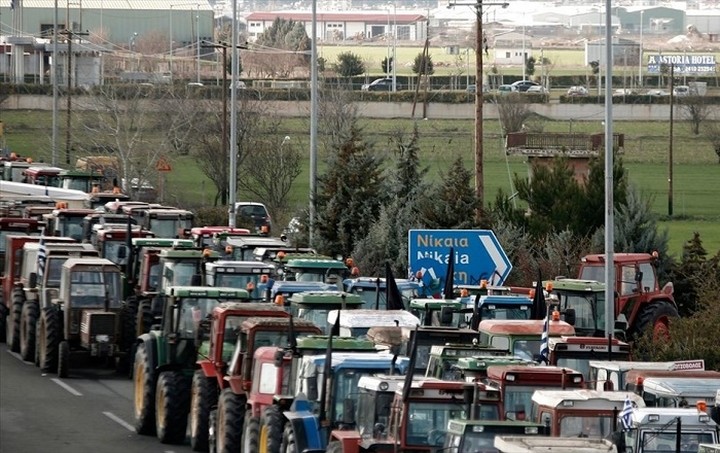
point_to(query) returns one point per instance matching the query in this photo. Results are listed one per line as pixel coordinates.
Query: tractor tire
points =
(656, 316)
(145, 317)
(37, 344)
(63, 364)
(334, 447)
(272, 424)
(28, 324)
(212, 429)
(50, 330)
(251, 432)
(204, 397)
(128, 318)
(144, 392)
(289, 442)
(172, 404)
(12, 325)
(230, 414)
(3, 319)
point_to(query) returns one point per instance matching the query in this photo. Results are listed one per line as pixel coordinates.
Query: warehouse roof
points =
(162, 5)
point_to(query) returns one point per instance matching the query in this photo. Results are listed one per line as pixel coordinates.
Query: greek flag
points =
(626, 414)
(544, 346)
(41, 257)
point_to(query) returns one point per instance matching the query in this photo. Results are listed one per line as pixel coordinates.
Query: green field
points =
(696, 192)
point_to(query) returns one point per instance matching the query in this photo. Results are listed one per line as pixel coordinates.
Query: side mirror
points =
(278, 358)
(348, 416)
(570, 316)
(33, 280)
(122, 252)
(312, 389)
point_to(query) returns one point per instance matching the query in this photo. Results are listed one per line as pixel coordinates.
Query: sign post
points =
(478, 256)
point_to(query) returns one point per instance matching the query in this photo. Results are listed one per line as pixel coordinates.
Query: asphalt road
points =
(89, 412)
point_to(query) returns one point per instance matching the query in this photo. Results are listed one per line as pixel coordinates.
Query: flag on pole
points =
(544, 344)
(41, 257)
(626, 414)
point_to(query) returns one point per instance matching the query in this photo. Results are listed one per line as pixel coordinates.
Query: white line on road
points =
(119, 421)
(70, 390)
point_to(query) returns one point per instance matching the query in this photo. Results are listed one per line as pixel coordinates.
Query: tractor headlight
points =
(102, 338)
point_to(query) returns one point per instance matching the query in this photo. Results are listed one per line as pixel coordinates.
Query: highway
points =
(89, 412)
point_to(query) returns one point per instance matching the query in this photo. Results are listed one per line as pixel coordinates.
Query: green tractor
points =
(166, 357)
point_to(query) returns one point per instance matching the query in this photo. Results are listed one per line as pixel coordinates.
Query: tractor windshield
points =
(518, 401)
(111, 250)
(589, 310)
(180, 273)
(233, 280)
(192, 311)
(427, 422)
(505, 312)
(590, 426)
(90, 289)
(71, 227)
(316, 316)
(168, 228)
(657, 442)
(369, 296)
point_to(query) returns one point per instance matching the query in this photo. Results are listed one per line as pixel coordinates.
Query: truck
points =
(165, 358)
(517, 384)
(581, 412)
(85, 319)
(652, 429)
(372, 290)
(641, 302)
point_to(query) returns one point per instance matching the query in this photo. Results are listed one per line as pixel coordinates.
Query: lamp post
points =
(640, 58)
(479, 182)
(394, 50)
(197, 27)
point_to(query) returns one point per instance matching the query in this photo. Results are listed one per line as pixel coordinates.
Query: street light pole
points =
(640, 59)
(479, 181)
(197, 26)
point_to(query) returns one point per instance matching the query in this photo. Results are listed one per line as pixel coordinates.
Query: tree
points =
(513, 110)
(688, 274)
(423, 65)
(450, 204)
(712, 132)
(349, 65)
(387, 65)
(349, 195)
(695, 110)
(530, 66)
(272, 58)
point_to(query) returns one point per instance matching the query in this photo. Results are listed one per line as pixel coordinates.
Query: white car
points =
(577, 91)
(681, 90)
(539, 89)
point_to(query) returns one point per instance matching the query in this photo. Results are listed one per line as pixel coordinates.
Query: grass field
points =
(696, 192)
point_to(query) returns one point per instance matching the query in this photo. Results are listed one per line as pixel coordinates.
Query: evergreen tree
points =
(688, 273)
(349, 195)
(452, 204)
(386, 65)
(423, 65)
(349, 65)
(408, 174)
(286, 35)
(530, 66)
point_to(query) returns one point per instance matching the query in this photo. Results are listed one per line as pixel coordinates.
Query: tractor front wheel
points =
(172, 404)
(144, 392)
(656, 316)
(289, 442)
(50, 330)
(63, 365)
(28, 324)
(230, 414)
(203, 397)
(145, 317)
(12, 326)
(272, 424)
(251, 432)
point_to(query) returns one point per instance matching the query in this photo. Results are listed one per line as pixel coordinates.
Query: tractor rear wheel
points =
(3, 319)
(145, 317)
(28, 323)
(272, 424)
(204, 397)
(172, 404)
(13, 324)
(289, 442)
(144, 392)
(251, 432)
(128, 318)
(50, 330)
(63, 365)
(230, 414)
(656, 316)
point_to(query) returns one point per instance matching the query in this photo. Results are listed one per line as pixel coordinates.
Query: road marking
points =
(17, 356)
(70, 390)
(119, 421)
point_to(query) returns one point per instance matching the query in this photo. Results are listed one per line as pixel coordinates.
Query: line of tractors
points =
(287, 350)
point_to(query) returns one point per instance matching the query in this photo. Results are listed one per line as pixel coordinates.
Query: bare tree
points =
(122, 121)
(513, 111)
(694, 109)
(337, 114)
(712, 131)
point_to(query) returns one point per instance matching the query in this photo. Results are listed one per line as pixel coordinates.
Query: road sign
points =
(163, 165)
(478, 256)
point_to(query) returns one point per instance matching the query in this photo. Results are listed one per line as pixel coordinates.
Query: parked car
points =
(253, 214)
(538, 89)
(506, 89)
(472, 88)
(681, 90)
(239, 85)
(384, 84)
(523, 85)
(656, 92)
(624, 92)
(578, 90)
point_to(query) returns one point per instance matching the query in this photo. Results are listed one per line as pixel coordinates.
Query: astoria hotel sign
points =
(681, 63)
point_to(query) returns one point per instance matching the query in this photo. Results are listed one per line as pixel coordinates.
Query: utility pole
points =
(670, 146)
(479, 49)
(68, 139)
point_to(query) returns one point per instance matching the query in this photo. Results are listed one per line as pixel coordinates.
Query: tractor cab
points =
(471, 436)
(613, 375)
(441, 313)
(356, 323)
(373, 290)
(254, 276)
(316, 305)
(315, 269)
(474, 369)
(521, 338)
(443, 358)
(577, 352)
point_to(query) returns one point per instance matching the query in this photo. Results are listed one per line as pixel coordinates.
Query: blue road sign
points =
(478, 256)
